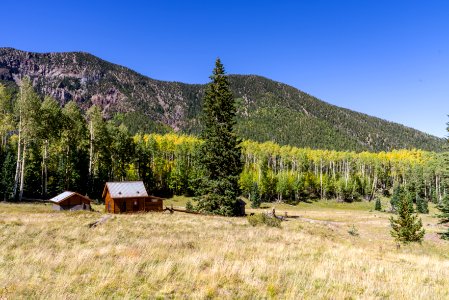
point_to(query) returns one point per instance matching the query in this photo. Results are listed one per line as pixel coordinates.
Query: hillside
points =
(268, 110)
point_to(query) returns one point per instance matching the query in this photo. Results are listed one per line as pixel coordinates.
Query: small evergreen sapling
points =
(407, 227)
(255, 196)
(378, 204)
(421, 205)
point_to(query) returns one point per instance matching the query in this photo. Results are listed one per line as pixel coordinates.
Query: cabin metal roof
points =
(64, 195)
(126, 189)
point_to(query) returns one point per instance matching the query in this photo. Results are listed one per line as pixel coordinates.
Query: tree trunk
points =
(67, 180)
(91, 149)
(91, 154)
(44, 169)
(16, 178)
(22, 171)
(425, 189)
(374, 187)
(321, 178)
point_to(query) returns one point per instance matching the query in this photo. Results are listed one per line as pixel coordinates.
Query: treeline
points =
(46, 149)
(294, 174)
(290, 174)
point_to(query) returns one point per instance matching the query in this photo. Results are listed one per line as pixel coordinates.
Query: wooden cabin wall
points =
(129, 205)
(153, 204)
(109, 204)
(144, 204)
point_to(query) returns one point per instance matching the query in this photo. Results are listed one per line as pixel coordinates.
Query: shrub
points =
(189, 206)
(378, 205)
(353, 231)
(263, 219)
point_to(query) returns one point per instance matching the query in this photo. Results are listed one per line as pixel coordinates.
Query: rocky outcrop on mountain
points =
(88, 80)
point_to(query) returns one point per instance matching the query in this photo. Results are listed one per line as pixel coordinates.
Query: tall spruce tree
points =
(407, 227)
(220, 152)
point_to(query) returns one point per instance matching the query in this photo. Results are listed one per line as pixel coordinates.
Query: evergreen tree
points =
(407, 227)
(265, 182)
(122, 150)
(73, 148)
(395, 198)
(7, 174)
(410, 195)
(422, 205)
(143, 159)
(443, 207)
(255, 196)
(221, 152)
(378, 205)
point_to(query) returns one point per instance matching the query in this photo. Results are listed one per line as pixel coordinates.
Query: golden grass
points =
(54, 255)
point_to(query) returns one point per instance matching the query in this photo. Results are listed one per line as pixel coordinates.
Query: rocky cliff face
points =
(267, 110)
(89, 80)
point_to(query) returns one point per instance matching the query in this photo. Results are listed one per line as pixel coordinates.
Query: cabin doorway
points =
(123, 209)
(135, 206)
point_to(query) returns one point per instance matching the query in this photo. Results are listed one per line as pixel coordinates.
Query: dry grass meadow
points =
(54, 255)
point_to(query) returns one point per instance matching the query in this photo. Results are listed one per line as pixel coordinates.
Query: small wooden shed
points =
(70, 201)
(129, 196)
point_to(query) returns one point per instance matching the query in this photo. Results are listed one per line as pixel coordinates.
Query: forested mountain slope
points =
(268, 110)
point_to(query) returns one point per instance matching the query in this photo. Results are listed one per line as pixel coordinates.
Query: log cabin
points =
(70, 201)
(129, 196)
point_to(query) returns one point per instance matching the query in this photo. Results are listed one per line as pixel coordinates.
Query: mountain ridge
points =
(267, 110)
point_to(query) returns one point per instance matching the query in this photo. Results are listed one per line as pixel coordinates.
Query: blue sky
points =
(389, 59)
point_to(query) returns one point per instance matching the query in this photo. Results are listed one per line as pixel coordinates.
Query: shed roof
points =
(125, 189)
(64, 195)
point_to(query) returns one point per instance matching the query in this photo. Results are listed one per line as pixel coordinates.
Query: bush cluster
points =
(263, 219)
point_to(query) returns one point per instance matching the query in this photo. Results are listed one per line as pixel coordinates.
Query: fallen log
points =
(99, 221)
(172, 210)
